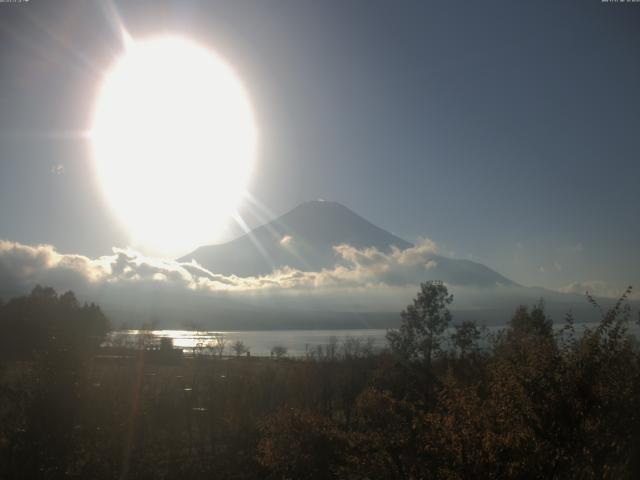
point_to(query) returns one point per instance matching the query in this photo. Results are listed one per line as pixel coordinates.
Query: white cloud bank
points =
(22, 266)
(363, 280)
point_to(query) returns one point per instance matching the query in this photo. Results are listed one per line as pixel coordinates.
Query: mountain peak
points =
(323, 207)
(321, 203)
(313, 228)
(304, 237)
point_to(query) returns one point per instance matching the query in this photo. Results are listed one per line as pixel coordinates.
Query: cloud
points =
(369, 266)
(22, 266)
(134, 286)
(286, 240)
(595, 287)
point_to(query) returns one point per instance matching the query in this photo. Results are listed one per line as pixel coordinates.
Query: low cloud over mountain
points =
(378, 273)
(321, 236)
(133, 287)
(22, 266)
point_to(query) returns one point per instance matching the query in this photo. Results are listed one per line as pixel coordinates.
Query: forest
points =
(531, 401)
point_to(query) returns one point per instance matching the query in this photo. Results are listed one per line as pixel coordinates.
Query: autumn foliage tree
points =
(537, 400)
(423, 323)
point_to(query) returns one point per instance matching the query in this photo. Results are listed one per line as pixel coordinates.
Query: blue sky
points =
(505, 131)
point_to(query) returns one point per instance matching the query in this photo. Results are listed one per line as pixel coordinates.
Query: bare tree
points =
(239, 348)
(218, 343)
(145, 338)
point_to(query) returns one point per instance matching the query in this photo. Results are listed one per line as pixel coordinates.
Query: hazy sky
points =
(508, 132)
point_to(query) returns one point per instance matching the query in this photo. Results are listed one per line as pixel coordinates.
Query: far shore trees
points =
(279, 351)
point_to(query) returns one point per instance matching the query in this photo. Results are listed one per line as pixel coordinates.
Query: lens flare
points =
(174, 143)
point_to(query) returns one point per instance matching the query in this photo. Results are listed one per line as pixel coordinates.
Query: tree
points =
(239, 348)
(423, 323)
(301, 444)
(145, 338)
(218, 343)
(534, 323)
(279, 351)
(465, 338)
(44, 321)
(166, 344)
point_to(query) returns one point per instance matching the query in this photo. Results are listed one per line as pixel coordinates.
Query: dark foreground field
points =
(534, 405)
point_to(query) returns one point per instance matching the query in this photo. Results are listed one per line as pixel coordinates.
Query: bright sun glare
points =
(174, 142)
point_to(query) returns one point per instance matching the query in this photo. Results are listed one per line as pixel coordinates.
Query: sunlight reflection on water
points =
(296, 342)
(260, 343)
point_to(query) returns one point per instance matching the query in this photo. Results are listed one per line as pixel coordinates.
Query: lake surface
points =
(297, 342)
(260, 343)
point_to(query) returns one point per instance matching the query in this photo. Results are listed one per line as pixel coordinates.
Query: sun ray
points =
(265, 216)
(240, 221)
(114, 19)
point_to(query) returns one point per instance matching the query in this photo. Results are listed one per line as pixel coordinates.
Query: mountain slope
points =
(466, 273)
(304, 239)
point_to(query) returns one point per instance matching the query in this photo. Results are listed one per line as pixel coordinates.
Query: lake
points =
(297, 342)
(260, 343)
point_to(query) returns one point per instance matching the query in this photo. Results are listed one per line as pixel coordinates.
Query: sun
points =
(174, 143)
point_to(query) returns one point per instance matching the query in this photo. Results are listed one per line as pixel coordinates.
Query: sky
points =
(507, 132)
